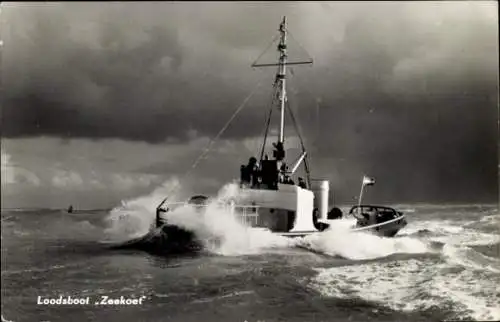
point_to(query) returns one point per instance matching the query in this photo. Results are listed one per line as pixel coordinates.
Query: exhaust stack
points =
(321, 189)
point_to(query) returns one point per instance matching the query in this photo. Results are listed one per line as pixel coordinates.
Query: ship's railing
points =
(246, 214)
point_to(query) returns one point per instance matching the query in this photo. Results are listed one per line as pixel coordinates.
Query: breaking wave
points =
(133, 218)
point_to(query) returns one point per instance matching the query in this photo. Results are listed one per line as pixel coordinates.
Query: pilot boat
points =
(268, 198)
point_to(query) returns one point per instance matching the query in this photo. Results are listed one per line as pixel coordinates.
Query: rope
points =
(297, 129)
(266, 132)
(298, 43)
(211, 143)
(268, 121)
(267, 48)
(307, 90)
(378, 225)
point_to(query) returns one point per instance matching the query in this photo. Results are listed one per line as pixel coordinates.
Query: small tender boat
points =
(384, 221)
(268, 197)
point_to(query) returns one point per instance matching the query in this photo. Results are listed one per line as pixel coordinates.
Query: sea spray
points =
(215, 226)
(223, 233)
(134, 217)
(220, 230)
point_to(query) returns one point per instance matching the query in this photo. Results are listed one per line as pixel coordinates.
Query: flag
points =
(367, 181)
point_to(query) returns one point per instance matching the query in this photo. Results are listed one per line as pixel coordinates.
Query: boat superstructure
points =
(269, 198)
(267, 184)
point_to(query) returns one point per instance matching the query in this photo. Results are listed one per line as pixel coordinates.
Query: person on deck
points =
(252, 169)
(335, 213)
(283, 177)
(288, 180)
(252, 164)
(302, 183)
(372, 216)
(244, 175)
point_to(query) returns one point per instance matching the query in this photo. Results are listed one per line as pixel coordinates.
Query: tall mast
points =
(280, 86)
(282, 79)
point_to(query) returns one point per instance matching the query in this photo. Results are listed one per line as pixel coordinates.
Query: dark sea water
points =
(445, 265)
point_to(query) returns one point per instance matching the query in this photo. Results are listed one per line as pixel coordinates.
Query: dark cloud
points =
(119, 70)
(405, 91)
(418, 108)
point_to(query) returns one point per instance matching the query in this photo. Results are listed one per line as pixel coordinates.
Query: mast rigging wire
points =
(211, 143)
(297, 129)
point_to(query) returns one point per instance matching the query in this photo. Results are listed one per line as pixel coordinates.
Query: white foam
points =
(469, 238)
(469, 258)
(217, 222)
(414, 285)
(221, 231)
(465, 282)
(493, 218)
(435, 226)
(339, 240)
(452, 232)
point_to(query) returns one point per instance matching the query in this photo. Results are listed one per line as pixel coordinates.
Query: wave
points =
(482, 231)
(415, 285)
(470, 258)
(35, 270)
(460, 280)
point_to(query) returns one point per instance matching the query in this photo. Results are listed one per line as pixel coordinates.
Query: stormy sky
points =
(98, 97)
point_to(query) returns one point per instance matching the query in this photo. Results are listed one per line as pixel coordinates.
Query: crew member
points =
(244, 175)
(251, 169)
(302, 183)
(335, 213)
(288, 180)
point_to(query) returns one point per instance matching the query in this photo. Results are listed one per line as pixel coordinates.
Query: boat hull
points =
(389, 229)
(169, 239)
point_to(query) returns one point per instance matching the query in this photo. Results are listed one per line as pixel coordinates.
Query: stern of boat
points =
(382, 220)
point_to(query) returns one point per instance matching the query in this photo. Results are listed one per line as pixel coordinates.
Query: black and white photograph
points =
(250, 161)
